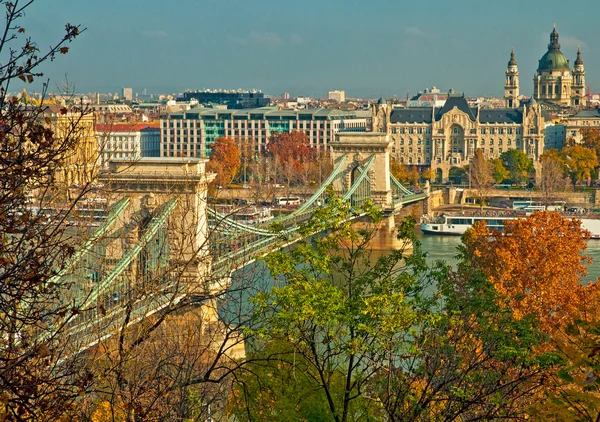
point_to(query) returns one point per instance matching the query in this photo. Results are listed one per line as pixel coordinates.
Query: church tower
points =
(578, 90)
(511, 86)
(553, 80)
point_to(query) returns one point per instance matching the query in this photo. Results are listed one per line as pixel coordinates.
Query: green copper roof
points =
(554, 59)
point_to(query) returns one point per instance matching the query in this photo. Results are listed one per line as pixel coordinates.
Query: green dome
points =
(554, 59)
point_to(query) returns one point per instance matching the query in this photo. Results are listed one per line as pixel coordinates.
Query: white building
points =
(339, 96)
(190, 133)
(127, 141)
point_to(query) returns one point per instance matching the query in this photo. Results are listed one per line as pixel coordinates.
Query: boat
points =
(248, 215)
(456, 224)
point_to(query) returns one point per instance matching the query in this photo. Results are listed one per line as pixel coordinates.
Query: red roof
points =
(126, 127)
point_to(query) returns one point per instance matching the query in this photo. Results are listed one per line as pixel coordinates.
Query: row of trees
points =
(289, 161)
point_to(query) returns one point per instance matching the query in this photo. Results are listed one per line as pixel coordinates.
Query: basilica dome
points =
(554, 59)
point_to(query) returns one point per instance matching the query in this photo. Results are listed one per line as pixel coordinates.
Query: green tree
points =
(499, 172)
(580, 162)
(518, 164)
(340, 309)
(386, 336)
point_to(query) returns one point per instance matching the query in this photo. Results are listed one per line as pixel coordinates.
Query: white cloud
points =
(259, 38)
(265, 38)
(154, 33)
(413, 30)
(296, 39)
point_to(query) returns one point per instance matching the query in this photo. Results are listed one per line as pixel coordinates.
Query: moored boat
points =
(457, 224)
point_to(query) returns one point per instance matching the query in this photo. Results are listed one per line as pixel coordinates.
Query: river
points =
(444, 248)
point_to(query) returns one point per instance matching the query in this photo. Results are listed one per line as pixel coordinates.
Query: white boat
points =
(249, 215)
(457, 224)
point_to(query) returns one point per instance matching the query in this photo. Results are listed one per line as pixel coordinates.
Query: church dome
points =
(554, 59)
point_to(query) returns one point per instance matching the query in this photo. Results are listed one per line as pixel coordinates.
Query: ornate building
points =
(554, 81)
(446, 137)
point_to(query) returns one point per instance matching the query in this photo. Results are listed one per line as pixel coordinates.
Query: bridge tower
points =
(356, 148)
(150, 183)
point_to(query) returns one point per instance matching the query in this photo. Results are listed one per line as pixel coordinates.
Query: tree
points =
(535, 265)
(480, 175)
(291, 152)
(38, 380)
(552, 179)
(580, 162)
(518, 164)
(340, 325)
(403, 173)
(224, 160)
(382, 337)
(500, 173)
(428, 174)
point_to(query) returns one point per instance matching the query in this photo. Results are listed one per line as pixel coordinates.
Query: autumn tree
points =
(224, 160)
(580, 162)
(518, 164)
(535, 265)
(552, 178)
(480, 175)
(428, 174)
(291, 152)
(38, 380)
(403, 173)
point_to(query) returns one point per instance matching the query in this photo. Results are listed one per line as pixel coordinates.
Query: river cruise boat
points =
(456, 224)
(249, 215)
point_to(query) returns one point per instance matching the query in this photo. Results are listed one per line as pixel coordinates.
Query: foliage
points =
(552, 177)
(518, 164)
(32, 246)
(499, 172)
(292, 156)
(573, 391)
(225, 160)
(535, 265)
(580, 162)
(428, 174)
(403, 173)
(590, 138)
(388, 337)
(480, 175)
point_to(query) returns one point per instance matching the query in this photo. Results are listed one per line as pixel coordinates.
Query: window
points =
(420, 130)
(492, 131)
(410, 131)
(501, 131)
(401, 130)
(440, 131)
(482, 131)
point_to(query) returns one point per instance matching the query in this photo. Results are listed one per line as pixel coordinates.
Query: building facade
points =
(127, 141)
(447, 137)
(232, 99)
(555, 82)
(339, 96)
(80, 163)
(191, 133)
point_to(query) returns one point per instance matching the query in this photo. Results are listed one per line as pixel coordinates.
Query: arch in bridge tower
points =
(150, 183)
(355, 148)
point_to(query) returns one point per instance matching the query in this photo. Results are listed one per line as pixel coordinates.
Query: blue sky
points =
(367, 48)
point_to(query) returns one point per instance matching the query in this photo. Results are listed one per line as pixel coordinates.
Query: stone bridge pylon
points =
(365, 151)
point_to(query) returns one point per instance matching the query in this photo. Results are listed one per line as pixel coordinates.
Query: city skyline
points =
(382, 48)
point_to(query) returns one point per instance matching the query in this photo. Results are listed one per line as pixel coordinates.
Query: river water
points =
(444, 248)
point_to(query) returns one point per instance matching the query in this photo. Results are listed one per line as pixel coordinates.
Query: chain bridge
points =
(161, 244)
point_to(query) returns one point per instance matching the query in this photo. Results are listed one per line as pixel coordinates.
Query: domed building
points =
(554, 81)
